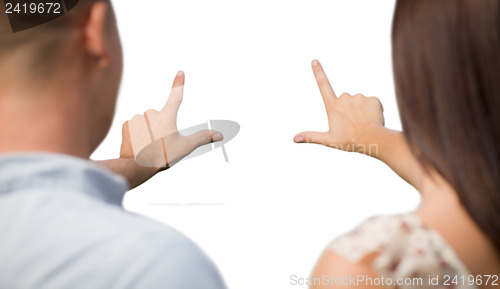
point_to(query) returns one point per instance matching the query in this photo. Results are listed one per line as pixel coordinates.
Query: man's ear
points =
(95, 33)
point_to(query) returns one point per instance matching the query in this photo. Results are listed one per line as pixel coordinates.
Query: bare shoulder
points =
(334, 271)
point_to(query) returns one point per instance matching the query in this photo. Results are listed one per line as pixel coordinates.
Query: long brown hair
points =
(446, 56)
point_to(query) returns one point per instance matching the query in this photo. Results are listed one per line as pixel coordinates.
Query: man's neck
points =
(42, 121)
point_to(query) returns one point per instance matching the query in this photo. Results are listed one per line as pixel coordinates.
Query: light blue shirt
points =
(62, 226)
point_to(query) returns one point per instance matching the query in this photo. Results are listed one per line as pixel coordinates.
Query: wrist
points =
(372, 140)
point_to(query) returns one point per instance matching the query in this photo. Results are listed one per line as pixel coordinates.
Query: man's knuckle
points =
(151, 111)
(136, 117)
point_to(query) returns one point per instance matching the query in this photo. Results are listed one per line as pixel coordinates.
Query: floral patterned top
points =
(409, 252)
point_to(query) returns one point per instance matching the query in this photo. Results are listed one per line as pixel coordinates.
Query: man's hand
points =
(152, 142)
(356, 124)
(350, 118)
(153, 138)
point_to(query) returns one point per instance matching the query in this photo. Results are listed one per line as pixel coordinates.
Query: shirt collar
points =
(48, 170)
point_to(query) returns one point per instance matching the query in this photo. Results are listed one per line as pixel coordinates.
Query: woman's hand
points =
(350, 118)
(356, 124)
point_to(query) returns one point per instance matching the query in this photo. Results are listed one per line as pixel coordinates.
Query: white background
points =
(276, 204)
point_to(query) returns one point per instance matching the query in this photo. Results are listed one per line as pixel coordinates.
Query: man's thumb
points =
(205, 137)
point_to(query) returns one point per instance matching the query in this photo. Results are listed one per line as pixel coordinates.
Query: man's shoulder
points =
(147, 252)
(121, 226)
(151, 253)
(80, 238)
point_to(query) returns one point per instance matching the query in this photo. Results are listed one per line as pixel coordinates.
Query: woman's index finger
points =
(323, 82)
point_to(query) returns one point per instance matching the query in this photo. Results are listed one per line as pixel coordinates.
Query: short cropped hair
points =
(40, 36)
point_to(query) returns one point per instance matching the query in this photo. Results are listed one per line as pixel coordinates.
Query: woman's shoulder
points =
(404, 248)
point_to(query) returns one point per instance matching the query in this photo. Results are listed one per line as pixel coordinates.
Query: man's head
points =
(70, 67)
